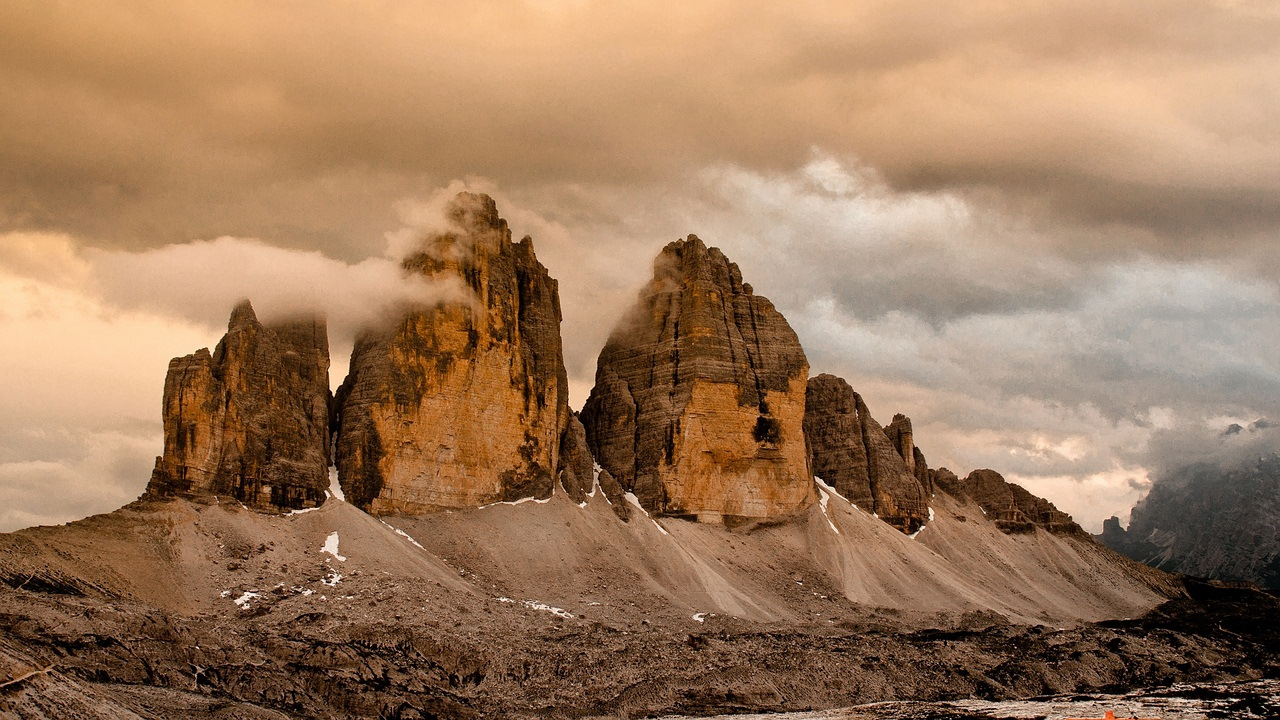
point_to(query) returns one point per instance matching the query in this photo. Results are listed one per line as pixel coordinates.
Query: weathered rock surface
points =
(463, 403)
(251, 420)
(871, 466)
(698, 405)
(1208, 520)
(1013, 508)
(581, 477)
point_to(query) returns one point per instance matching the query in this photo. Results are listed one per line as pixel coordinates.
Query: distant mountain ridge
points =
(1209, 519)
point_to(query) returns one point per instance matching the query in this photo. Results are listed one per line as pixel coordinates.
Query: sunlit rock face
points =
(872, 467)
(250, 420)
(462, 403)
(698, 406)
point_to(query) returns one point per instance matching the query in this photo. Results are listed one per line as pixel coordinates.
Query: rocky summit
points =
(850, 451)
(250, 421)
(462, 403)
(698, 405)
(1013, 509)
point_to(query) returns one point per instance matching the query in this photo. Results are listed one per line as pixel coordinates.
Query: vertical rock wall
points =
(850, 451)
(463, 403)
(251, 420)
(698, 405)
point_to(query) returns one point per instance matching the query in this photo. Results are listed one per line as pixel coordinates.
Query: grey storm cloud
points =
(1150, 123)
(1045, 232)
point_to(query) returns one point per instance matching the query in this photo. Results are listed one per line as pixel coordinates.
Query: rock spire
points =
(698, 404)
(873, 467)
(250, 420)
(462, 403)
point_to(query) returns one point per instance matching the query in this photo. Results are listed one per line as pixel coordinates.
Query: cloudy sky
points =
(1045, 230)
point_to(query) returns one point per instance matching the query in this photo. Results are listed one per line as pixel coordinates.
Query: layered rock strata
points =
(698, 405)
(872, 467)
(462, 403)
(250, 420)
(1012, 507)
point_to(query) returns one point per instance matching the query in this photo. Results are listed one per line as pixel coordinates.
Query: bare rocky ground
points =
(179, 610)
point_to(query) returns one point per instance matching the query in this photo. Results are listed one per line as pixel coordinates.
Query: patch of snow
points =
(636, 501)
(823, 497)
(700, 617)
(931, 514)
(918, 531)
(402, 534)
(984, 511)
(243, 601)
(540, 501)
(303, 511)
(593, 603)
(331, 546)
(823, 484)
(333, 578)
(335, 488)
(225, 593)
(558, 612)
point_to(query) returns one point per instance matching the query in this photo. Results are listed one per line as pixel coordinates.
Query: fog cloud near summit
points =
(1045, 232)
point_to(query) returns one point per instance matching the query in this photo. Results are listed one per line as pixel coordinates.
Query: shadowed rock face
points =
(251, 420)
(1012, 507)
(872, 467)
(1216, 520)
(698, 404)
(580, 476)
(463, 403)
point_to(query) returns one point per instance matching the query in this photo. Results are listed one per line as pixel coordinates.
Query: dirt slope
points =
(186, 558)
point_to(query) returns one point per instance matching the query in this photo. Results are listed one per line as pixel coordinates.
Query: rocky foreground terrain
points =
(178, 609)
(715, 532)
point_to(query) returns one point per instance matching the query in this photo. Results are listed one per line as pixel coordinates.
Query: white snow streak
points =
(331, 546)
(335, 488)
(244, 600)
(521, 501)
(700, 617)
(823, 497)
(402, 534)
(636, 501)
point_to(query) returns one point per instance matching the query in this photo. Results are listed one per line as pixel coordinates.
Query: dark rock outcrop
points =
(1013, 508)
(699, 398)
(251, 420)
(463, 403)
(871, 466)
(1211, 520)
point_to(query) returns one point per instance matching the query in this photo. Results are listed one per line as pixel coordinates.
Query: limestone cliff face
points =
(849, 450)
(1012, 507)
(463, 403)
(698, 405)
(251, 420)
